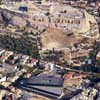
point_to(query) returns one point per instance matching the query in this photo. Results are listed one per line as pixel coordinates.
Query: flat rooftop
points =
(45, 80)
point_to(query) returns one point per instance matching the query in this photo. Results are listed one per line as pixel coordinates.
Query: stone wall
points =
(69, 23)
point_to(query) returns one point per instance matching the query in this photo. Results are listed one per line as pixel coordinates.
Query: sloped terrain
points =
(9, 17)
(56, 39)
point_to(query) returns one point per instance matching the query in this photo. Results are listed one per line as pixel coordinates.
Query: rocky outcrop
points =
(8, 17)
(18, 21)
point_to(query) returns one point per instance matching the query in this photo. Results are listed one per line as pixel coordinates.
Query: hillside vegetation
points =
(21, 45)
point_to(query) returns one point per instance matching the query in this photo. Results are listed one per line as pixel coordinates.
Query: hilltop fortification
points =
(66, 18)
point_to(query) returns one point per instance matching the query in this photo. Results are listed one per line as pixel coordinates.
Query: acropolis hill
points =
(58, 21)
(66, 18)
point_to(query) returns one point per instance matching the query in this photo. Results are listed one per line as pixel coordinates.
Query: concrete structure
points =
(45, 80)
(43, 84)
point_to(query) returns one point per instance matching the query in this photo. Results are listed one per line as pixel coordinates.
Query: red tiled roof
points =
(74, 75)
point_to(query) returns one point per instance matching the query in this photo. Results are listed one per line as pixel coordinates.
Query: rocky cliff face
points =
(8, 17)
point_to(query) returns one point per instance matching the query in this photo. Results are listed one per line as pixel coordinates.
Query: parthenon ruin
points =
(68, 18)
